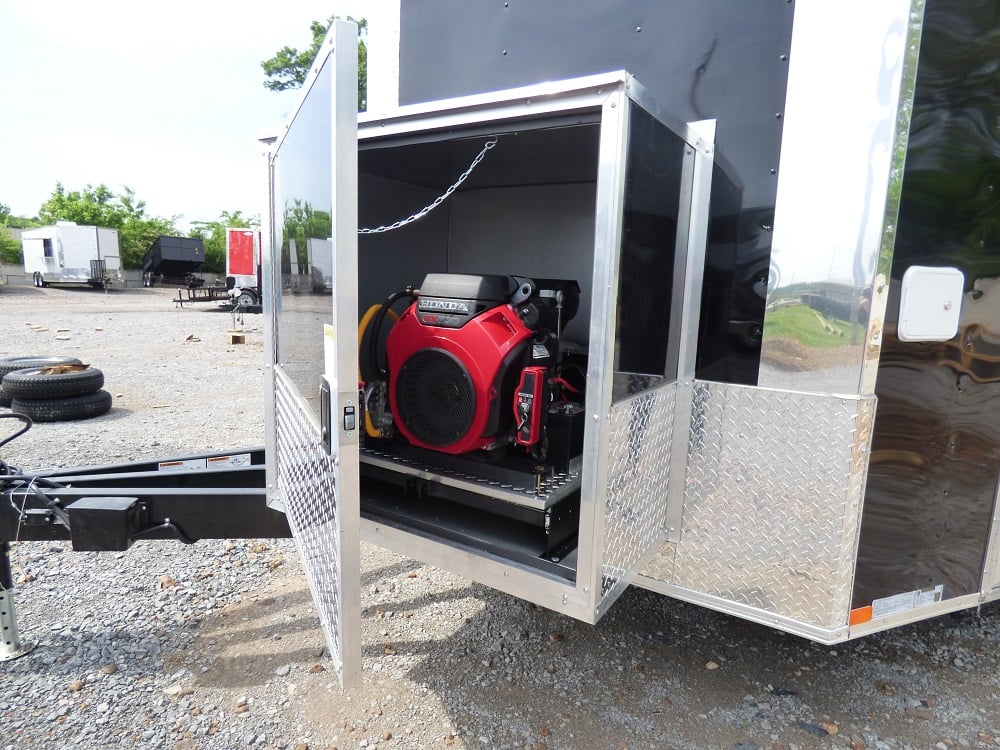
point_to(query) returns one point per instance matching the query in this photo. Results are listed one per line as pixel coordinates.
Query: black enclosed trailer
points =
(174, 260)
(778, 393)
(782, 222)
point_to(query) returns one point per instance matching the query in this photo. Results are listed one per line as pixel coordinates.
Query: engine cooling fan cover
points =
(451, 388)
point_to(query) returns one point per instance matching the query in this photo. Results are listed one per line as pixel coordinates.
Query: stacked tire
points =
(40, 388)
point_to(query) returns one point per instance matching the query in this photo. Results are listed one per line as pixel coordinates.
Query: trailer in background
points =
(174, 260)
(243, 265)
(71, 253)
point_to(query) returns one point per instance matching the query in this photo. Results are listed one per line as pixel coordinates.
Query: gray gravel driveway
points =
(216, 645)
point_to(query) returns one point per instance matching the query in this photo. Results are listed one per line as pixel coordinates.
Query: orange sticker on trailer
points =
(860, 615)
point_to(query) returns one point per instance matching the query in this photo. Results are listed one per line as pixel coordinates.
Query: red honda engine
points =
(456, 358)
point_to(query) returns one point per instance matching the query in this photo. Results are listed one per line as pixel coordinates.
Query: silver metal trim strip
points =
(788, 625)
(530, 100)
(562, 486)
(900, 139)
(344, 150)
(991, 570)
(689, 272)
(498, 573)
(271, 302)
(915, 615)
(612, 152)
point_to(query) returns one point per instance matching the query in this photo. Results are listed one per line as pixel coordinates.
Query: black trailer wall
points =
(936, 449)
(701, 60)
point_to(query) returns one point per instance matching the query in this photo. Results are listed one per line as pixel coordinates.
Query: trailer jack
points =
(10, 640)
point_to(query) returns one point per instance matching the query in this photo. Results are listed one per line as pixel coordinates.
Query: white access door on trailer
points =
(312, 431)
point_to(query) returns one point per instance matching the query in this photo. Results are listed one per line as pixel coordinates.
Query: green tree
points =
(300, 223)
(10, 248)
(213, 235)
(7, 219)
(100, 206)
(288, 68)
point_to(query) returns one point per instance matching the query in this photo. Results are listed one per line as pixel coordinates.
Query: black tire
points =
(246, 297)
(36, 383)
(29, 361)
(63, 409)
(4, 398)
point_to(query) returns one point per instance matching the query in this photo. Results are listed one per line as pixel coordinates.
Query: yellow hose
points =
(370, 429)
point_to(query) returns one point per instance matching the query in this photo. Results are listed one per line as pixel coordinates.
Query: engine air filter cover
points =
(436, 397)
(451, 388)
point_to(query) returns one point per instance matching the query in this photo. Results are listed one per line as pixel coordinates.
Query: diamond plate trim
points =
(640, 438)
(773, 500)
(305, 476)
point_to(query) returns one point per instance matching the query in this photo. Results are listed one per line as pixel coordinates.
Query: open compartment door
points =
(644, 379)
(548, 243)
(312, 432)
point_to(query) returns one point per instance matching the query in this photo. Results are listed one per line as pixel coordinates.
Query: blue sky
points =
(166, 98)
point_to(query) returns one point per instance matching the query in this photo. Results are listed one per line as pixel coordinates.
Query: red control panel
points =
(529, 403)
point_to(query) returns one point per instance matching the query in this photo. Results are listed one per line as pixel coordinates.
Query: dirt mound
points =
(790, 354)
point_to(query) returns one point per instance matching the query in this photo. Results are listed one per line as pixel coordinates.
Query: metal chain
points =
(437, 201)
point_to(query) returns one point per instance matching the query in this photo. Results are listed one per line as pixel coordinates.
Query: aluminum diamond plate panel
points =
(305, 475)
(772, 506)
(640, 438)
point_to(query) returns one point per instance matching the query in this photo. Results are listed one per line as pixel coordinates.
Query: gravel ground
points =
(216, 645)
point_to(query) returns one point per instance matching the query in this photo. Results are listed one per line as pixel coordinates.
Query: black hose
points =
(27, 426)
(376, 327)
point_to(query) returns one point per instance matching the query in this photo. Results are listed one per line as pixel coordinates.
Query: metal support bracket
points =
(10, 640)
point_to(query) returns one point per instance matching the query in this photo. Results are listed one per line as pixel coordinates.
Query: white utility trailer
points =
(723, 326)
(71, 253)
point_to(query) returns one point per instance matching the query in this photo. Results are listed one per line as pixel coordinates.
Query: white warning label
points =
(898, 603)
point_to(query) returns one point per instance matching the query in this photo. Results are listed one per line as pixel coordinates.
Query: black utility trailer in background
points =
(174, 260)
(178, 260)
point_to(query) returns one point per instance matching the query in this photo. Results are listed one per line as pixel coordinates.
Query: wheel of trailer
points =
(38, 280)
(63, 409)
(45, 383)
(147, 279)
(246, 297)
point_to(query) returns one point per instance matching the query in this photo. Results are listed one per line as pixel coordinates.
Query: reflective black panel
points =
(653, 193)
(936, 450)
(701, 60)
(302, 228)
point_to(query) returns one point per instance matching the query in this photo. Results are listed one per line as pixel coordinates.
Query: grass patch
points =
(807, 326)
